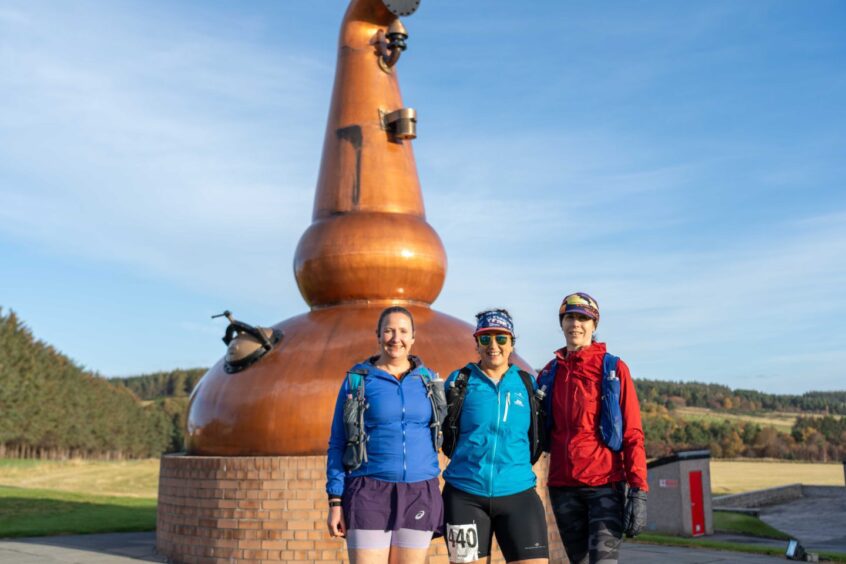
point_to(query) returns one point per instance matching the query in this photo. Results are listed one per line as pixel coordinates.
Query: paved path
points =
(818, 520)
(133, 547)
(82, 549)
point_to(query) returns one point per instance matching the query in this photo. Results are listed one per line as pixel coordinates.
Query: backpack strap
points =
(435, 394)
(355, 451)
(455, 401)
(546, 380)
(535, 442)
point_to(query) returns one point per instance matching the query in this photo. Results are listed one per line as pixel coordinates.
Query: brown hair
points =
(388, 311)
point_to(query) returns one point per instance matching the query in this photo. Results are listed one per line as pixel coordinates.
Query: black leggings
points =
(518, 521)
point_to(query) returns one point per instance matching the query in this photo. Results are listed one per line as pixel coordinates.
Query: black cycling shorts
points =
(517, 520)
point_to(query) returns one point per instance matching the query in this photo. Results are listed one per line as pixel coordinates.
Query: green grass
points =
(741, 524)
(18, 463)
(127, 478)
(28, 512)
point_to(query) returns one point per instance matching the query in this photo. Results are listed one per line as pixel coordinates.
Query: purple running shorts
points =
(371, 504)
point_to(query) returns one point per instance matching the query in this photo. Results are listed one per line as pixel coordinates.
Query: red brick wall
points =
(244, 509)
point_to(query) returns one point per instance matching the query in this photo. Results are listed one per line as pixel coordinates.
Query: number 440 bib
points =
(462, 543)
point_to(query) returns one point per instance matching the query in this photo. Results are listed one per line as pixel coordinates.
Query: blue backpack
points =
(610, 413)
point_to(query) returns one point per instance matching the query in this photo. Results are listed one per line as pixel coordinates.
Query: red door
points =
(697, 508)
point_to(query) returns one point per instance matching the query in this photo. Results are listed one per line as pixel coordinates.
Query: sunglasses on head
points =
(486, 339)
(578, 300)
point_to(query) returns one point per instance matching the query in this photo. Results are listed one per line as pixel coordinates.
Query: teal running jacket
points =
(491, 455)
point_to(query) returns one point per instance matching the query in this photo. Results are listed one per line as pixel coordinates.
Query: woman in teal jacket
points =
(490, 486)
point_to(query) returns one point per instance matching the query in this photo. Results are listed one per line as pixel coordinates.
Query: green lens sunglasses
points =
(485, 340)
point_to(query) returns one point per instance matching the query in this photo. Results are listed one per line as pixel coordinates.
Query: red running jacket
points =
(578, 457)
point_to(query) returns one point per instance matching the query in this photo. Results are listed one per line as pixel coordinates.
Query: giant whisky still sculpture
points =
(368, 246)
(252, 485)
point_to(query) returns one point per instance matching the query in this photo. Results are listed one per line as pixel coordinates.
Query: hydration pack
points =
(355, 451)
(455, 401)
(610, 413)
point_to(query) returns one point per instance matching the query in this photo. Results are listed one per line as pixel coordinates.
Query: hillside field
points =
(781, 421)
(132, 478)
(736, 476)
(139, 478)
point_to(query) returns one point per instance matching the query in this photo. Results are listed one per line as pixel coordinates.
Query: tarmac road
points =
(133, 547)
(818, 519)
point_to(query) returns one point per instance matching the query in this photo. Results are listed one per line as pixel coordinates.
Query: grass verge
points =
(741, 524)
(28, 512)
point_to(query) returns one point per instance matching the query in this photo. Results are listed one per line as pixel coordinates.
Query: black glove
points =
(634, 512)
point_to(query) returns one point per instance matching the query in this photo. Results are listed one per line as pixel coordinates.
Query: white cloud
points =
(154, 151)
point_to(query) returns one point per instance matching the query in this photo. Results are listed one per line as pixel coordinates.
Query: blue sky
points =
(682, 162)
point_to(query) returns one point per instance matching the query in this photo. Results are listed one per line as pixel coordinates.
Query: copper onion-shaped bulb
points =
(369, 240)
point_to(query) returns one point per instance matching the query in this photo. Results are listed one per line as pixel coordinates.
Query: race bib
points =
(462, 543)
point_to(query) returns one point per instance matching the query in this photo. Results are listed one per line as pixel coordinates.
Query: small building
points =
(679, 501)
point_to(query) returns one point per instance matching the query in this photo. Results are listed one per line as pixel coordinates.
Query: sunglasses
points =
(486, 340)
(578, 300)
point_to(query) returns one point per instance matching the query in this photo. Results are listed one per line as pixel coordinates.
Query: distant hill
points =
(159, 385)
(52, 408)
(716, 396)
(167, 392)
(745, 423)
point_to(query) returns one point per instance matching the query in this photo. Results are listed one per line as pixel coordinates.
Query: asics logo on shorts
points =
(420, 515)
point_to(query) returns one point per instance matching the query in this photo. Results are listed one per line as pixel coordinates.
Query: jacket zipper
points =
(507, 403)
(404, 445)
(496, 438)
(568, 402)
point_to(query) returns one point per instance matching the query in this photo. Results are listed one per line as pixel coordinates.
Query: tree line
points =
(812, 438)
(160, 385)
(52, 408)
(716, 396)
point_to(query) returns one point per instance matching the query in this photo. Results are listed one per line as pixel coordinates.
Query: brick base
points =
(269, 508)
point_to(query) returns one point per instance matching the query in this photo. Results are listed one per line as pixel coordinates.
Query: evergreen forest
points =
(52, 408)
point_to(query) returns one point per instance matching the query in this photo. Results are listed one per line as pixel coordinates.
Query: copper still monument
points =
(368, 246)
(251, 486)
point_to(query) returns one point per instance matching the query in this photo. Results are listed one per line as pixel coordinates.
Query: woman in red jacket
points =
(597, 494)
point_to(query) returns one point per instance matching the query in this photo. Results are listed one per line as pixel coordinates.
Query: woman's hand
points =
(335, 522)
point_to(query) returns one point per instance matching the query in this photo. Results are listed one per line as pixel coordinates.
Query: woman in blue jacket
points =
(384, 497)
(490, 486)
